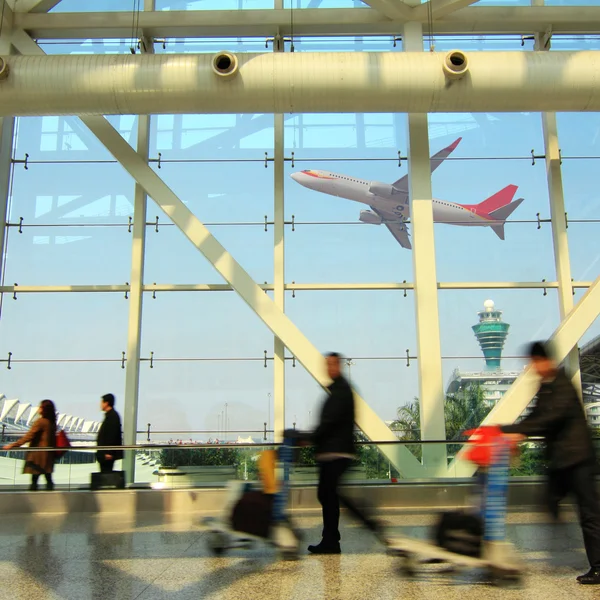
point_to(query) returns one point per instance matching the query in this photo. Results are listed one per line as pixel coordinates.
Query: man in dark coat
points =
(559, 417)
(109, 434)
(334, 450)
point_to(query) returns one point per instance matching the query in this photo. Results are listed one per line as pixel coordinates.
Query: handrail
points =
(232, 445)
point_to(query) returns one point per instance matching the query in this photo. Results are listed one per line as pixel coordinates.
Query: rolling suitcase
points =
(108, 481)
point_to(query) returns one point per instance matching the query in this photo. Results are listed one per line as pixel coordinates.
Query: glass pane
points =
(323, 4)
(186, 396)
(213, 4)
(489, 178)
(75, 387)
(373, 330)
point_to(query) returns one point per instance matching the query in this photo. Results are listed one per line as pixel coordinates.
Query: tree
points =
(376, 465)
(463, 410)
(407, 426)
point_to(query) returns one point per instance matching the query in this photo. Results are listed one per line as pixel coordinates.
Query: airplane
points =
(389, 203)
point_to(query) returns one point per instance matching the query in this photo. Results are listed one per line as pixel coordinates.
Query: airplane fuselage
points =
(359, 190)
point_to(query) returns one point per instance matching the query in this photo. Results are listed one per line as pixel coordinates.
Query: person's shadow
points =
(332, 574)
(37, 558)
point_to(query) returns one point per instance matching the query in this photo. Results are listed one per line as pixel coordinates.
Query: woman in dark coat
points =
(41, 435)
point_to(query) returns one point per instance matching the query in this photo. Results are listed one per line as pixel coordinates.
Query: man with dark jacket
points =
(558, 416)
(334, 450)
(109, 434)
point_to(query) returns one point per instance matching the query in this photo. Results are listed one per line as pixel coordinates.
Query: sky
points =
(208, 348)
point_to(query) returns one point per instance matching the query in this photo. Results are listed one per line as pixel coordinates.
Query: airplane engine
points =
(368, 216)
(383, 190)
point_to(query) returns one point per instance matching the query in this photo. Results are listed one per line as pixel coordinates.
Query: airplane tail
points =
(498, 200)
(501, 214)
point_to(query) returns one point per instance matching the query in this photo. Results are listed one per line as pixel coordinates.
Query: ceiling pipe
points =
(301, 82)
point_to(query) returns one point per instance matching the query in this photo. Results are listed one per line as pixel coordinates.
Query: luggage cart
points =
(496, 555)
(272, 523)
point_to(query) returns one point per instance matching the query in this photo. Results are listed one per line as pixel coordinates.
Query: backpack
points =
(62, 441)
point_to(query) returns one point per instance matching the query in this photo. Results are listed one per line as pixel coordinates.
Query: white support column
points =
(136, 295)
(431, 386)
(279, 280)
(521, 392)
(279, 262)
(559, 221)
(7, 130)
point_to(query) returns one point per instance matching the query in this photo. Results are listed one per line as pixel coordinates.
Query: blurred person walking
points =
(41, 435)
(109, 434)
(559, 417)
(335, 452)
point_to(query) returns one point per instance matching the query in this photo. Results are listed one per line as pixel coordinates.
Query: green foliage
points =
(247, 464)
(465, 410)
(306, 456)
(530, 461)
(374, 463)
(462, 411)
(219, 456)
(408, 426)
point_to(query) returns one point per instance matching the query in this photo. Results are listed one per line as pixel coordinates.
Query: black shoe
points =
(325, 549)
(592, 577)
(49, 487)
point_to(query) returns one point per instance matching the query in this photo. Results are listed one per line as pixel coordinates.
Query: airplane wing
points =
(436, 161)
(400, 232)
(398, 229)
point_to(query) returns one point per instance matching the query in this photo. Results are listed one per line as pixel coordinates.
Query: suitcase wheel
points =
(217, 542)
(408, 565)
(506, 577)
(289, 554)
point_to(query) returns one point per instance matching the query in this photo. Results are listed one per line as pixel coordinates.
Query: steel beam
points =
(136, 296)
(308, 22)
(278, 82)
(521, 392)
(33, 6)
(438, 9)
(298, 287)
(392, 9)
(431, 385)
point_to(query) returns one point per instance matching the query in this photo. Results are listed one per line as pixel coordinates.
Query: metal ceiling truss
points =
(450, 18)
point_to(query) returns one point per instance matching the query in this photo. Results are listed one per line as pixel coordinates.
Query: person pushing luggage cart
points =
(475, 538)
(559, 417)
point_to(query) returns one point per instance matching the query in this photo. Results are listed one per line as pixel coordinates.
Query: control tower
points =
(491, 333)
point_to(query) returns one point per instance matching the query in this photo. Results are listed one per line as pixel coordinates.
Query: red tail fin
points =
(498, 200)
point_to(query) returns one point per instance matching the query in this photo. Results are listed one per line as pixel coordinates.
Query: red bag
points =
(480, 446)
(62, 441)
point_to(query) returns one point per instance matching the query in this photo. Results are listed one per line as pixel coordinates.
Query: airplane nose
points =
(296, 177)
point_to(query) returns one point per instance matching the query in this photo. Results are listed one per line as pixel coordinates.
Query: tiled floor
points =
(108, 558)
